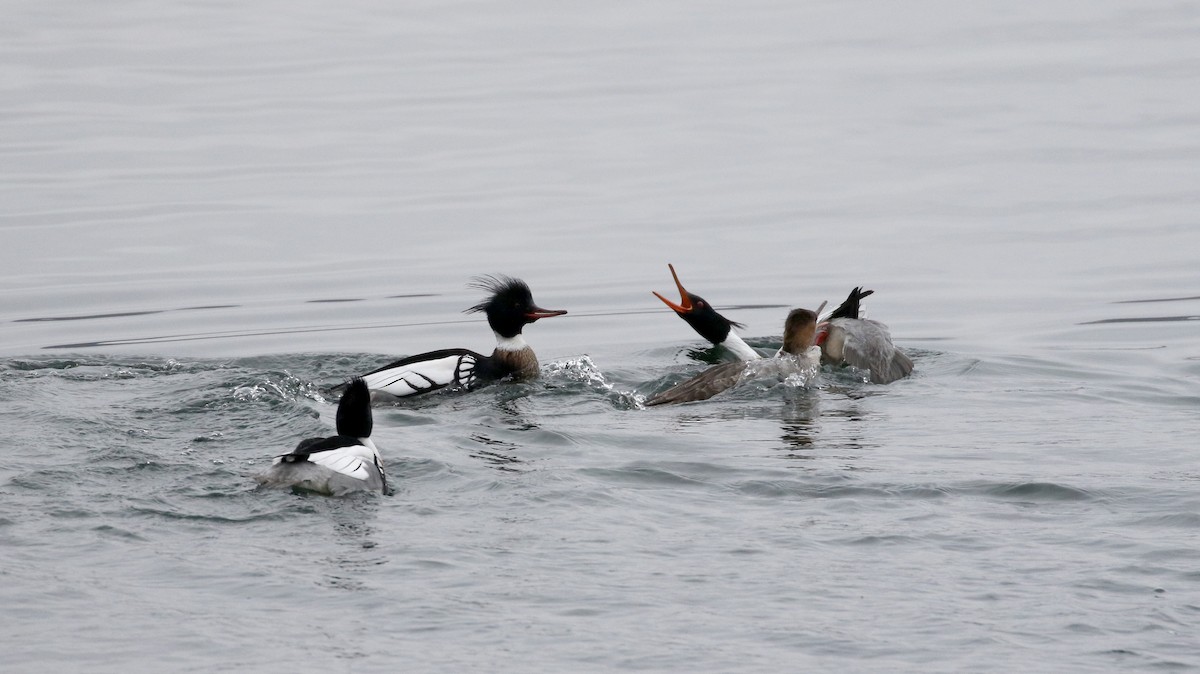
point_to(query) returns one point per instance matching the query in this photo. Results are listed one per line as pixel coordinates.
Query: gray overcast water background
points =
(212, 211)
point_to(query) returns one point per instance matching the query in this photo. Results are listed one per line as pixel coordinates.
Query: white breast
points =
(740, 348)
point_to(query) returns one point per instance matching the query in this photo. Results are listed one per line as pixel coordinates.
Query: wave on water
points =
(1037, 492)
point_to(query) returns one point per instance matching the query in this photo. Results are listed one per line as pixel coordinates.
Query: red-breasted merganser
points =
(846, 339)
(509, 308)
(798, 355)
(336, 465)
(705, 320)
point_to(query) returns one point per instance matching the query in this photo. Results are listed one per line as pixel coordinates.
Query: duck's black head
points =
(510, 306)
(699, 313)
(354, 411)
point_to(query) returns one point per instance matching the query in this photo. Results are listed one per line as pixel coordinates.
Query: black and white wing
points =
(341, 454)
(426, 372)
(329, 465)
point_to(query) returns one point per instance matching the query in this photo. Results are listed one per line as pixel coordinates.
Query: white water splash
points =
(584, 371)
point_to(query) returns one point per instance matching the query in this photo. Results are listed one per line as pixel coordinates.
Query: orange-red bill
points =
(685, 304)
(822, 333)
(538, 312)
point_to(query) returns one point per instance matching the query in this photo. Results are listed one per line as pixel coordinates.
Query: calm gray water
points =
(211, 211)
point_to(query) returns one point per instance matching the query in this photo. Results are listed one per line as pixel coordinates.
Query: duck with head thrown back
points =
(845, 338)
(798, 355)
(709, 324)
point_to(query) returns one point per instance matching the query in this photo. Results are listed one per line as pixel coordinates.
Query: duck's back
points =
(868, 346)
(331, 466)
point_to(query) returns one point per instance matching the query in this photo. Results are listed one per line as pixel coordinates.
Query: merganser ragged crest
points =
(798, 355)
(509, 308)
(343, 463)
(846, 339)
(707, 322)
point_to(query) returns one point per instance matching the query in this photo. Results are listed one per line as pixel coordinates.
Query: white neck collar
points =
(511, 343)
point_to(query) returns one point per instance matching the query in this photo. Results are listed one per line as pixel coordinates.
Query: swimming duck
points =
(798, 355)
(846, 339)
(509, 308)
(343, 463)
(707, 322)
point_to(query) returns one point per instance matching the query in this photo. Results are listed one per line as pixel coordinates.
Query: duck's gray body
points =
(867, 345)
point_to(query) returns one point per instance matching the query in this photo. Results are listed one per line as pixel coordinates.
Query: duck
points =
(798, 355)
(846, 339)
(706, 321)
(337, 465)
(509, 307)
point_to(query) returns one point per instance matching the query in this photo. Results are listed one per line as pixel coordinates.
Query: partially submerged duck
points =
(846, 339)
(798, 355)
(343, 463)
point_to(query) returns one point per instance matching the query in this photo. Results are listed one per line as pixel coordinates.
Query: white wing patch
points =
(465, 371)
(354, 461)
(425, 376)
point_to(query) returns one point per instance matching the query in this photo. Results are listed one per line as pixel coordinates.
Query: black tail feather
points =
(849, 308)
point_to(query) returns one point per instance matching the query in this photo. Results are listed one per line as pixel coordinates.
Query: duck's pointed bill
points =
(685, 303)
(538, 312)
(826, 317)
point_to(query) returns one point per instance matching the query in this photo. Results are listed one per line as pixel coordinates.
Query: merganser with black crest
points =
(337, 465)
(798, 355)
(509, 308)
(705, 320)
(846, 339)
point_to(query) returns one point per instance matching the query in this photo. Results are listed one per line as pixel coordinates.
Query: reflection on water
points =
(799, 438)
(499, 454)
(800, 425)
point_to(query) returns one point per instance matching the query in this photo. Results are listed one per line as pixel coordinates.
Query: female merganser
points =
(846, 339)
(705, 320)
(798, 355)
(336, 465)
(509, 309)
